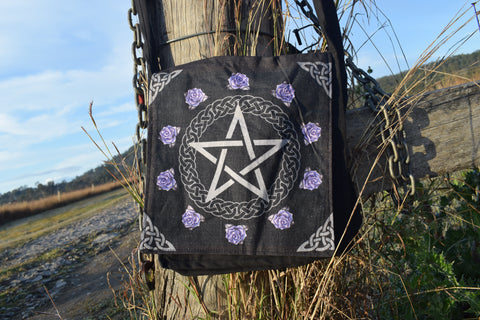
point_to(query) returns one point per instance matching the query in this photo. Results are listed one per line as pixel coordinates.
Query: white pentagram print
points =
(265, 194)
(260, 189)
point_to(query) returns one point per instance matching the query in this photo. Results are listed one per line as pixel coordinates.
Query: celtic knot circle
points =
(289, 163)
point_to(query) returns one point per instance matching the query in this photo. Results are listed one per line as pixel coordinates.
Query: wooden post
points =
(181, 31)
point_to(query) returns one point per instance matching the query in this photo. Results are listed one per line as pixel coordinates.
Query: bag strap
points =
(330, 26)
(326, 20)
(344, 195)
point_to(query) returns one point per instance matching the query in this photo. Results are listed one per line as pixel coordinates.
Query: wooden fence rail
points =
(443, 135)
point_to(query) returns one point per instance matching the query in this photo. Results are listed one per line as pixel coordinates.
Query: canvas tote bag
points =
(246, 164)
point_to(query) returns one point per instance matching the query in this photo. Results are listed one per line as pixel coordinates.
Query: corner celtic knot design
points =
(159, 81)
(322, 240)
(208, 194)
(321, 72)
(152, 239)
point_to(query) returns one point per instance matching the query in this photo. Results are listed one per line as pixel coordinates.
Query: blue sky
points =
(405, 29)
(57, 56)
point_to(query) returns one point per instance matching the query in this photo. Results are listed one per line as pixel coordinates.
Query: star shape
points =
(260, 188)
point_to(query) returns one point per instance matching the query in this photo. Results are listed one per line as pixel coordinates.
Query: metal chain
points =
(391, 122)
(308, 12)
(139, 82)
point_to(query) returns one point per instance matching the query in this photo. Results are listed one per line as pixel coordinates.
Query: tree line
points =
(448, 72)
(97, 176)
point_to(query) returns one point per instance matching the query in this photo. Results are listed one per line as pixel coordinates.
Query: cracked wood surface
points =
(443, 135)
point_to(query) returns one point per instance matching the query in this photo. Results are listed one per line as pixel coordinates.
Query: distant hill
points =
(452, 71)
(97, 176)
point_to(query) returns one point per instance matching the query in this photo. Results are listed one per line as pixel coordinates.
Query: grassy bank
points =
(17, 232)
(13, 211)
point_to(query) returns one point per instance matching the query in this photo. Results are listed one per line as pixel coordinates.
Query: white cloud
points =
(115, 110)
(9, 156)
(21, 133)
(8, 124)
(82, 161)
(65, 89)
(60, 55)
(55, 34)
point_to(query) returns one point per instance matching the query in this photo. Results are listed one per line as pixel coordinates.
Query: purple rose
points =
(282, 220)
(311, 132)
(284, 92)
(194, 97)
(311, 180)
(191, 219)
(238, 81)
(235, 234)
(169, 134)
(166, 180)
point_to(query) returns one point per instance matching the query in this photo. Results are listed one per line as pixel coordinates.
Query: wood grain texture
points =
(181, 18)
(443, 135)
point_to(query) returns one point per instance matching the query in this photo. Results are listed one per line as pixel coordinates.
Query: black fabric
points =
(240, 164)
(201, 246)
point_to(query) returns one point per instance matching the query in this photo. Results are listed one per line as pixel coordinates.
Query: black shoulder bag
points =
(246, 165)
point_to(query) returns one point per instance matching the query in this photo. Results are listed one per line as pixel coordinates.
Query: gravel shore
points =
(75, 246)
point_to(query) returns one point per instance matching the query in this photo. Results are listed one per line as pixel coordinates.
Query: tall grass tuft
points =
(127, 175)
(133, 296)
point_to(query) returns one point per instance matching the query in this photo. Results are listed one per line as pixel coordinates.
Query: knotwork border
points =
(321, 72)
(290, 162)
(159, 81)
(151, 239)
(322, 240)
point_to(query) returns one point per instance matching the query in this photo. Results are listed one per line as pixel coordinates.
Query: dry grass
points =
(249, 25)
(18, 232)
(450, 80)
(13, 211)
(127, 175)
(134, 295)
